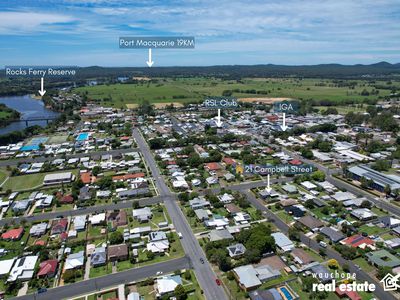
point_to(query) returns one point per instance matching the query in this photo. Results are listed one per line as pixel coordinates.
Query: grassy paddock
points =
(183, 90)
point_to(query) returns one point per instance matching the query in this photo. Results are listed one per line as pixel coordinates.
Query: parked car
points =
(41, 290)
(323, 244)
(218, 281)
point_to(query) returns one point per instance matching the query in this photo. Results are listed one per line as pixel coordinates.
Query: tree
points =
(366, 204)
(308, 283)
(294, 234)
(318, 176)
(116, 238)
(387, 190)
(333, 264)
(180, 292)
(383, 271)
(150, 255)
(364, 182)
(96, 170)
(309, 204)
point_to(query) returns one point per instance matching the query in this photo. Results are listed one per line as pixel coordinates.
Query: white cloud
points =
(12, 22)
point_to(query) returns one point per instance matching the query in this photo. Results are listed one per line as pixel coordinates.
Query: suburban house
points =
(118, 252)
(142, 214)
(311, 223)
(13, 234)
(118, 218)
(250, 278)
(359, 241)
(363, 214)
(74, 261)
(23, 269)
(332, 234)
(236, 250)
(167, 284)
(98, 257)
(38, 230)
(59, 226)
(382, 258)
(283, 242)
(48, 268)
(80, 223)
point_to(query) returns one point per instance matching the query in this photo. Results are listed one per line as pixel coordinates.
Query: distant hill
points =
(377, 70)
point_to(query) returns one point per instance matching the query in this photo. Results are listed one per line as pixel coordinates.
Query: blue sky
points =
(291, 32)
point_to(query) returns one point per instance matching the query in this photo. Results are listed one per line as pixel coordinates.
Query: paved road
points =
(283, 227)
(17, 161)
(84, 211)
(393, 209)
(96, 284)
(204, 272)
(248, 185)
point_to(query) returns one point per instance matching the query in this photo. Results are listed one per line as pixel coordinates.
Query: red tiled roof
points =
(48, 267)
(59, 225)
(295, 162)
(213, 166)
(357, 240)
(351, 295)
(86, 177)
(124, 138)
(272, 118)
(40, 243)
(13, 234)
(229, 161)
(128, 176)
(67, 199)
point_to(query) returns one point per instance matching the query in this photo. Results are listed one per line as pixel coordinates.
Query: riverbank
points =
(8, 115)
(29, 108)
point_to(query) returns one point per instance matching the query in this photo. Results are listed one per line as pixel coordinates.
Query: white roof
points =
(23, 268)
(96, 219)
(157, 247)
(5, 266)
(168, 284)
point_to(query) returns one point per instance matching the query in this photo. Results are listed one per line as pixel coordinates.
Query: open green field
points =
(26, 182)
(195, 89)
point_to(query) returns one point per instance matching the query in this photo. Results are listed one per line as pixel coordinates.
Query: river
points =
(29, 108)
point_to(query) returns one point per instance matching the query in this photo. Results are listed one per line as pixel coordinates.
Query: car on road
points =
(159, 273)
(41, 290)
(218, 282)
(180, 235)
(202, 260)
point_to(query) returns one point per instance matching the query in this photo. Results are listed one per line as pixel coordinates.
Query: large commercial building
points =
(58, 178)
(380, 180)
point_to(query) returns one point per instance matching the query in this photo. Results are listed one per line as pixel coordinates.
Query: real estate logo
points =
(390, 282)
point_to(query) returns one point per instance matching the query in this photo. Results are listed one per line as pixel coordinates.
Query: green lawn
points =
(100, 271)
(195, 89)
(124, 265)
(372, 230)
(364, 265)
(30, 181)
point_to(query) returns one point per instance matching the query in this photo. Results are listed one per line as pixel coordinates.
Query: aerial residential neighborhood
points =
(199, 150)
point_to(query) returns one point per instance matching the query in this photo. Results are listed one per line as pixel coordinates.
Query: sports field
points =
(195, 89)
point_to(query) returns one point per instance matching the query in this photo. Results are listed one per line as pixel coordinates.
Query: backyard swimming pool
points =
(288, 295)
(82, 136)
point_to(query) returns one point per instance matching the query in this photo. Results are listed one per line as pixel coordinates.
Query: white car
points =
(180, 235)
(159, 273)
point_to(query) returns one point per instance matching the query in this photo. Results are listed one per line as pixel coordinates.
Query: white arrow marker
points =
(42, 91)
(150, 62)
(268, 189)
(284, 127)
(219, 123)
